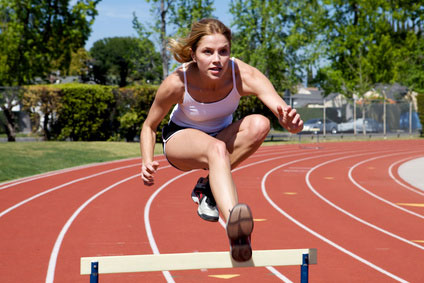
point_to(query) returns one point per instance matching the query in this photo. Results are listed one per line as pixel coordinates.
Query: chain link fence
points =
(361, 118)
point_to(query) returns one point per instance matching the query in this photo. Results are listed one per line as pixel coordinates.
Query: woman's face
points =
(212, 55)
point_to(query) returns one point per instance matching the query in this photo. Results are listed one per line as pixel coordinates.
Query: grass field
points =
(21, 159)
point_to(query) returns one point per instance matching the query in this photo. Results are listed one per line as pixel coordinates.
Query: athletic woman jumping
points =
(204, 93)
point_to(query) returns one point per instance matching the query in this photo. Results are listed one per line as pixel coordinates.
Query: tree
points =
(9, 99)
(123, 58)
(180, 14)
(274, 36)
(80, 64)
(409, 61)
(185, 12)
(369, 43)
(34, 35)
(37, 37)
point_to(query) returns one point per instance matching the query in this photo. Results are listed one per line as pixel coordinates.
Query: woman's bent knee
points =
(218, 149)
(259, 127)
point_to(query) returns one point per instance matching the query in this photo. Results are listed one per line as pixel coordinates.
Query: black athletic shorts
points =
(168, 131)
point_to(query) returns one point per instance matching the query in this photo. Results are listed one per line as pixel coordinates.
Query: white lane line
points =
(12, 183)
(401, 183)
(53, 257)
(307, 178)
(59, 240)
(319, 236)
(148, 227)
(375, 195)
(4, 212)
(270, 268)
(55, 252)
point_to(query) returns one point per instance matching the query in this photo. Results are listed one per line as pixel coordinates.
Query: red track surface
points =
(345, 199)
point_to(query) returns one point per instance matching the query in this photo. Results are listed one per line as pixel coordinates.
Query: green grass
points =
(21, 159)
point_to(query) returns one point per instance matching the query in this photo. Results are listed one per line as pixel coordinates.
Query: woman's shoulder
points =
(249, 76)
(173, 86)
(175, 80)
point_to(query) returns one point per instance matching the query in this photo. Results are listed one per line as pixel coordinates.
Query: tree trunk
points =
(163, 53)
(10, 126)
(46, 127)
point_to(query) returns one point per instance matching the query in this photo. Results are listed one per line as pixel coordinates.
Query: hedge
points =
(133, 104)
(82, 112)
(87, 112)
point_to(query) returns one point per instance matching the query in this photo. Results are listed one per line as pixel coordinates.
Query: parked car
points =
(317, 126)
(371, 126)
(404, 122)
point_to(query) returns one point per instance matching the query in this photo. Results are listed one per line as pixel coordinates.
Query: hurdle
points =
(201, 260)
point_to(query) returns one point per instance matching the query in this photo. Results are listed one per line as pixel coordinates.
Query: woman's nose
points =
(216, 57)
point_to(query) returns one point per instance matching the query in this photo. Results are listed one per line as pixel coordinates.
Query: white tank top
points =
(208, 117)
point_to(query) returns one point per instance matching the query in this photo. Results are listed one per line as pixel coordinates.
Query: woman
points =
(201, 134)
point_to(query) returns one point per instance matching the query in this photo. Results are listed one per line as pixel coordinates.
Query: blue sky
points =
(115, 17)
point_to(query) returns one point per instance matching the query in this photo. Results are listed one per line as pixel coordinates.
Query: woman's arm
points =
(253, 82)
(169, 93)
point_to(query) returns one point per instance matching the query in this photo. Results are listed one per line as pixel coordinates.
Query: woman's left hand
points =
(289, 119)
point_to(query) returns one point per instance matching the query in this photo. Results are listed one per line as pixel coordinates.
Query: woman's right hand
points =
(147, 171)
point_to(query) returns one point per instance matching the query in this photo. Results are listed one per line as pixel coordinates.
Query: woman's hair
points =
(181, 48)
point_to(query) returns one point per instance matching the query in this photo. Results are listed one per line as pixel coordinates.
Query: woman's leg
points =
(244, 137)
(192, 149)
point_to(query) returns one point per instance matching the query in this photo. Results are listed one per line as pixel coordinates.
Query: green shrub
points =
(82, 112)
(87, 112)
(133, 104)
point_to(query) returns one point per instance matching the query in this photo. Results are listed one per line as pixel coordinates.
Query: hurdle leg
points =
(304, 269)
(94, 276)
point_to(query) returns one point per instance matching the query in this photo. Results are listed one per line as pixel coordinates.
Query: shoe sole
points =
(239, 228)
(240, 223)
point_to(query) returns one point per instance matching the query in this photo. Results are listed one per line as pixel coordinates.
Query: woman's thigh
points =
(250, 129)
(189, 149)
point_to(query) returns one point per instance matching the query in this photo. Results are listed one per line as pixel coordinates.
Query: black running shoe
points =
(202, 195)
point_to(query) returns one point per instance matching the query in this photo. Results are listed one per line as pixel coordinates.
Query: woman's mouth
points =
(215, 70)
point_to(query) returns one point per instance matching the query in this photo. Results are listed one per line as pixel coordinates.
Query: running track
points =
(345, 199)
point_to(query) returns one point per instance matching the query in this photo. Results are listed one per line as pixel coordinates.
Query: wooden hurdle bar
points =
(201, 260)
